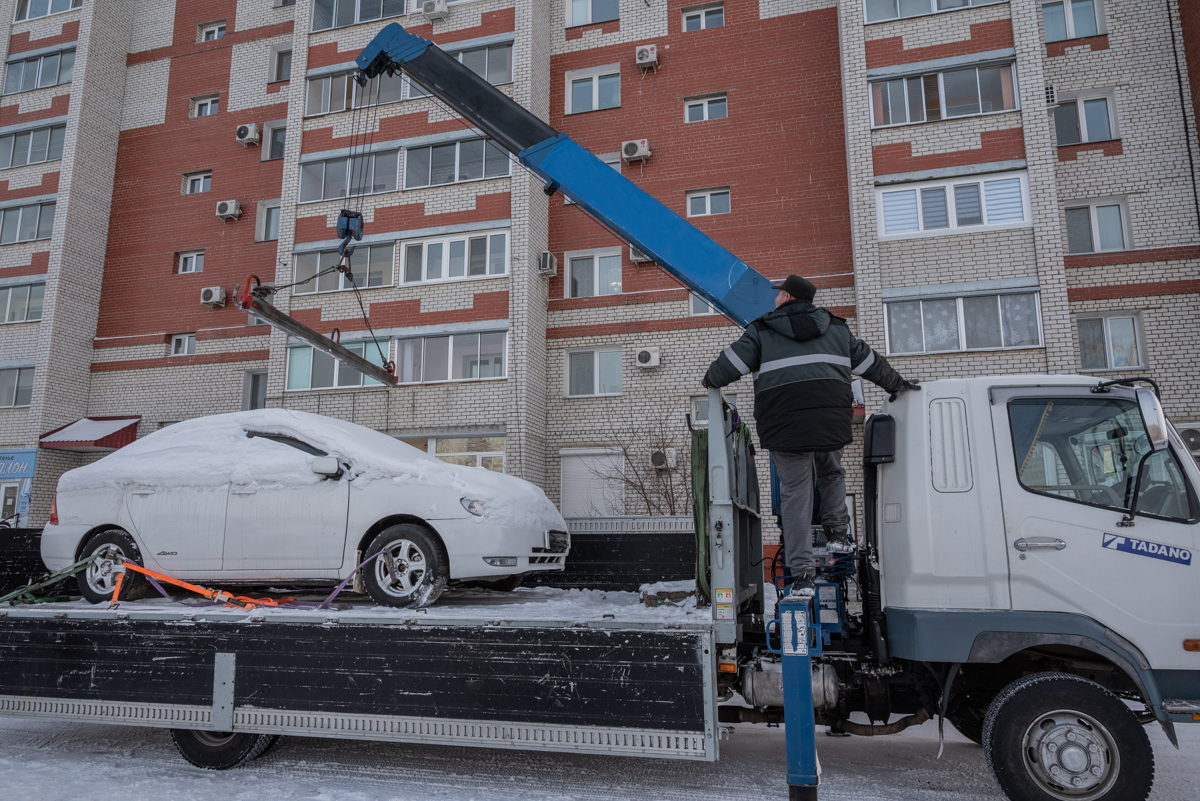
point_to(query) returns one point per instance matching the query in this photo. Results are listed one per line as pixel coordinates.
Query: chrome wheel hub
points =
(102, 574)
(400, 569)
(1071, 755)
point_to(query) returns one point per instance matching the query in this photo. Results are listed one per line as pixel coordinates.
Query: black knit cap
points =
(799, 288)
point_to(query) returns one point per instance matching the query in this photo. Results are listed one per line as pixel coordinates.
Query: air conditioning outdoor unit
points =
(229, 209)
(213, 296)
(647, 357)
(1191, 438)
(665, 459)
(646, 55)
(638, 257)
(635, 150)
(248, 134)
(548, 263)
(435, 9)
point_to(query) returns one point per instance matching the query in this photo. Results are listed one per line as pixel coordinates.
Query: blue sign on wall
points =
(17, 463)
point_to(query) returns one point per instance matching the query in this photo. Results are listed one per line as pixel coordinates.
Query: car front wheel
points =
(411, 570)
(98, 580)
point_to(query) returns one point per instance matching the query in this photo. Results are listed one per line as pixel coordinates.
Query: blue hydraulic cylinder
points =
(803, 769)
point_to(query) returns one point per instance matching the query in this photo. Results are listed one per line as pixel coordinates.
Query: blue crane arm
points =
(709, 270)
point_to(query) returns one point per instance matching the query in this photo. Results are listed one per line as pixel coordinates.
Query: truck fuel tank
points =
(762, 685)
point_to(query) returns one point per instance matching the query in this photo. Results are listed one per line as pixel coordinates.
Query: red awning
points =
(92, 434)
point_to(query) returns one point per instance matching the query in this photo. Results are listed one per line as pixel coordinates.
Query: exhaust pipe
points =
(866, 730)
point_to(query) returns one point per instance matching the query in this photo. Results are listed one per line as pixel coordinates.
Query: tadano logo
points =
(1156, 550)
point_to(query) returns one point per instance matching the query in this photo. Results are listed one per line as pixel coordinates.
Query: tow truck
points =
(1025, 572)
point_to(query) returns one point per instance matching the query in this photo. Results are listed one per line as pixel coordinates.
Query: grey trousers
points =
(795, 472)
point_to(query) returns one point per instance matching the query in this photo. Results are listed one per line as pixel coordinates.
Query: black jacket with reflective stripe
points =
(803, 359)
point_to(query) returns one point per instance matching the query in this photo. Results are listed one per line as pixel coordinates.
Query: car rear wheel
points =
(411, 570)
(214, 750)
(98, 580)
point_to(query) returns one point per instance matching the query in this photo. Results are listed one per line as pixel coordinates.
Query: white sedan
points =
(283, 497)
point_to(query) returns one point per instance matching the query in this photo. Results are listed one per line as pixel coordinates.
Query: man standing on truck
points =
(803, 359)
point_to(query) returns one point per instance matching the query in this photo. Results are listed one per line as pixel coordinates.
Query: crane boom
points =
(709, 270)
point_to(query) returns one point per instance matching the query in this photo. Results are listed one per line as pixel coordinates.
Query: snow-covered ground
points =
(53, 761)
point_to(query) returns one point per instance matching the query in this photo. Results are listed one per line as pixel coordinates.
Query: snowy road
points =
(51, 761)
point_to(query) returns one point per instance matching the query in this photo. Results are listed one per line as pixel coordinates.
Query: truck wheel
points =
(96, 581)
(213, 750)
(419, 569)
(1060, 737)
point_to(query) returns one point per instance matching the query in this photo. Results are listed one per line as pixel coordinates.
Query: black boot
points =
(838, 542)
(802, 587)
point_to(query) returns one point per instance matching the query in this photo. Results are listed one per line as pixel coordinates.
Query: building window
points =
(270, 224)
(27, 223)
(453, 357)
(191, 262)
(943, 95)
(712, 108)
(594, 274)
(205, 106)
(22, 304)
(1085, 119)
(276, 140)
(948, 207)
(593, 372)
(367, 175)
(485, 452)
(593, 89)
(318, 272)
(493, 64)
(695, 19)
(328, 94)
(700, 407)
(701, 307)
(454, 162)
(16, 387)
(36, 73)
(254, 390)
(308, 368)
(880, 10)
(975, 322)
(1072, 19)
(32, 9)
(340, 13)
(1095, 227)
(1109, 342)
(282, 66)
(183, 345)
(586, 12)
(456, 257)
(380, 90)
(32, 147)
(197, 183)
(212, 31)
(708, 203)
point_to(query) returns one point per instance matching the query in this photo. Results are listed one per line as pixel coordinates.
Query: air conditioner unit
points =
(1051, 95)
(647, 357)
(646, 55)
(665, 459)
(638, 257)
(548, 263)
(435, 9)
(1191, 438)
(229, 210)
(248, 134)
(635, 150)
(213, 296)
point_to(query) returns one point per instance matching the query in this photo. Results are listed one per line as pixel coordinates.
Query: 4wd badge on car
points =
(1169, 553)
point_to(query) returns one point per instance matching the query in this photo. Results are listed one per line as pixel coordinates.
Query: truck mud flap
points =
(623, 688)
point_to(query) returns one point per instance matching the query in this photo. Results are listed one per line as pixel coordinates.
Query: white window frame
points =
(431, 448)
(22, 12)
(183, 345)
(217, 29)
(702, 13)
(1069, 17)
(21, 211)
(1092, 206)
(706, 310)
(209, 104)
(41, 61)
(22, 372)
(933, 9)
(457, 164)
(1078, 100)
(248, 388)
(338, 365)
(6, 309)
(357, 14)
(277, 50)
(450, 379)
(942, 115)
(1107, 318)
(349, 166)
(260, 220)
(704, 104)
(707, 195)
(269, 130)
(346, 92)
(445, 242)
(192, 177)
(29, 136)
(962, 323)
(189, 261)
(696, 400)
(595, 255)
(951, 211)
(594, 74)
(569, 16)
(595, 351)
(360, 267)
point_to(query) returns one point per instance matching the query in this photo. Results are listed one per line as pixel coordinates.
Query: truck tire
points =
(421, 567)
(96, 581)
(1060, 737)
(213, 750)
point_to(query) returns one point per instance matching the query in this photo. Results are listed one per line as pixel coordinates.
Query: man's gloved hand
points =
(905, 384)
(704, 382)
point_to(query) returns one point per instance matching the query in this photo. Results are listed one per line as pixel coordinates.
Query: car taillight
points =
(54, 511)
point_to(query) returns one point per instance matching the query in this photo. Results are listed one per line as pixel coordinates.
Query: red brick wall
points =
(1003, 145)
(781, 150)
(22, 42)
(985, 36)
(1189, 19)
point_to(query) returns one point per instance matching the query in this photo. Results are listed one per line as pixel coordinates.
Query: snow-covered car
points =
(289, 498)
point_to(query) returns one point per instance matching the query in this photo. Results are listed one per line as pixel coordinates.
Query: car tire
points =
(1055, 736)
(421, 567)
(96, 581)
(220, 750)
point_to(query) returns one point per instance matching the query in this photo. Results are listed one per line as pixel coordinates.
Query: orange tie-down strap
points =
(213, 595)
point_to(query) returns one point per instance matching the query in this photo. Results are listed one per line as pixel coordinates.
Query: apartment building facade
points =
(976, 187)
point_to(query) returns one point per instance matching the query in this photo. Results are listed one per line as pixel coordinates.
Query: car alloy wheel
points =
(400, 569)
(410, 569)
(98, 580)
(102, 574)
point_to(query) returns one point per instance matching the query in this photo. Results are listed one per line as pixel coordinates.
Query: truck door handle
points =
(1024, 545)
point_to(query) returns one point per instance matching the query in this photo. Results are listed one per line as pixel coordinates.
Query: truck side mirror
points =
(879, 439)
(1153, 419)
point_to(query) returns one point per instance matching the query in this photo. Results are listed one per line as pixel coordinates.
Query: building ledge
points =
(1093, 43)
(1109, 147)
(1141, 256)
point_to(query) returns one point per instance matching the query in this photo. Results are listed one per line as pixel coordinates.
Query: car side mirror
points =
(1153, 418)
(326, 466)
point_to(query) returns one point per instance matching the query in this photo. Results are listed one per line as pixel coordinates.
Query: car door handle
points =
(143, 492)
(1024, 545)
(245, 491)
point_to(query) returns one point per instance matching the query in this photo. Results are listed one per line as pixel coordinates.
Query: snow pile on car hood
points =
(215, 450)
